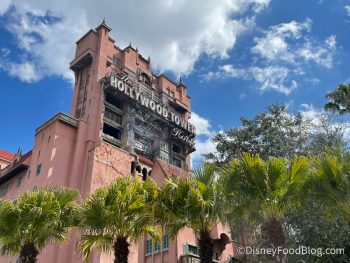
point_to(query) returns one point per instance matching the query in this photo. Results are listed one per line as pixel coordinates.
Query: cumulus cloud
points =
(268, 77)
(273, 78)
(202, 125)
(274, 45)
(205, 133)
(291, 43)
(174, 37)
(281, 55)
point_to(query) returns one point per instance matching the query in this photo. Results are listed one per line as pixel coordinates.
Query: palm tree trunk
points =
(121, 250)
(205, 243)
(28, 253)
(274, 232)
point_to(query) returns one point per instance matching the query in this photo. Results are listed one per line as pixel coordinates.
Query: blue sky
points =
(236, 57)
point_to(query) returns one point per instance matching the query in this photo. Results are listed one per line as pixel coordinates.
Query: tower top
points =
(103, 24)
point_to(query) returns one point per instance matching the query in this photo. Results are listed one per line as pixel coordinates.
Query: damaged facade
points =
(124, 120)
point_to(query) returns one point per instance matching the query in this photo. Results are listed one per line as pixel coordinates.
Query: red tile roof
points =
(171, 170)
(6, 155)
(145, 160)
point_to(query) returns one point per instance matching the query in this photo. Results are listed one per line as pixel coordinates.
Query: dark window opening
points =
(3, 189)
(176, 148)
(112, 131)
(144, 174)
(113, 116)
(145, 79)
(38, 169)
(108, 64)
(117, 62)
(19, 182)
(165, 242)
(177, 162)
(114, 101)
(133, 166)
(193, 250)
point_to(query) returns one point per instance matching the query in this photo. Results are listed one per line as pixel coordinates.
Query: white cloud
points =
(290, 42)
(202, 125)
(273, 78)
(274, 44)
(347, 9)
(174, 33)
(310, 113)
(317, 117)
(205, 133)
(25, 71)
(321, 55)
(283, 53)
(268, 78)
(4, 6)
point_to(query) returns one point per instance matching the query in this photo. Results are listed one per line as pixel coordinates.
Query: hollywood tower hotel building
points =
(124, 119)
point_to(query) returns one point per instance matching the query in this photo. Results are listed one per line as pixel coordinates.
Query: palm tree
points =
(262, 192)
(329, 183)
(192, 202)
(339, 99)
(34, 220)
(115, 215)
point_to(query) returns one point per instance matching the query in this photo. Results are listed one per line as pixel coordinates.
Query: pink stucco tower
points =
(124, 120)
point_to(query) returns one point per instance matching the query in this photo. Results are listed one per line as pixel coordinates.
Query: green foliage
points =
(262, 190)
(191, 201)
(38, 218)
(311, 228)
(277, 133)
(339, 99)
(120, 210)
(329, 183)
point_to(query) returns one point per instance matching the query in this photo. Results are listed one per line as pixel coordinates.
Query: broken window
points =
(145, 79)
(176, 148)
(113, 116)
(112, 131)
(114, 101)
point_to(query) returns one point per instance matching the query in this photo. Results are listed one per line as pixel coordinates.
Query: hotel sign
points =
(178, 133)
(123, 85)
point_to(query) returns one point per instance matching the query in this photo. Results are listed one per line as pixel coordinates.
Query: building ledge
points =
(62, 117)
(82, 60)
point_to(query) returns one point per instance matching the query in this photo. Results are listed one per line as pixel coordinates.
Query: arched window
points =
(145, 79)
